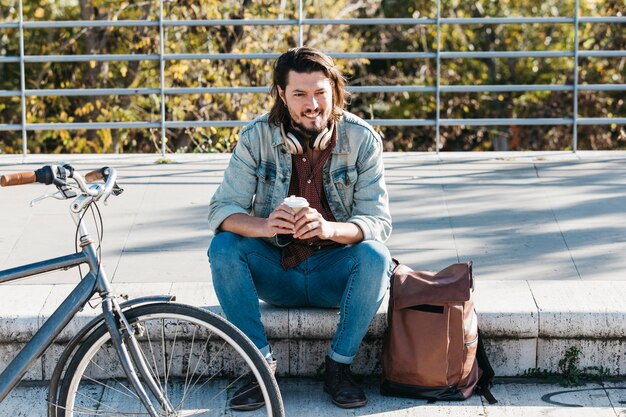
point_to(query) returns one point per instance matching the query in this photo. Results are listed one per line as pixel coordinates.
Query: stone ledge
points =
(526, 324)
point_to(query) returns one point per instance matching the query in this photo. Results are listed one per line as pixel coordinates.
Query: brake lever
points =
(58, 195)
(114, 192)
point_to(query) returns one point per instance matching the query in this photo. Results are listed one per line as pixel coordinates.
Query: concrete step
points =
(527, 324)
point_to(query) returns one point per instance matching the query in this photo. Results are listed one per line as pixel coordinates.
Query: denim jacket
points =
(259, 172)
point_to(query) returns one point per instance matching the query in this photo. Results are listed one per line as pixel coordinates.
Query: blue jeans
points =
(353, 278)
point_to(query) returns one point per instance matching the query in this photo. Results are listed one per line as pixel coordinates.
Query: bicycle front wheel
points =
(196, 358)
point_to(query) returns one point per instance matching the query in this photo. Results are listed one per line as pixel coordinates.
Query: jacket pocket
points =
(344, 180)
(266, 179)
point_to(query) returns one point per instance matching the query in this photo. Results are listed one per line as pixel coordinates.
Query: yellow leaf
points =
(92, 64)
(123, 71)
(500, 97)
(39, 13)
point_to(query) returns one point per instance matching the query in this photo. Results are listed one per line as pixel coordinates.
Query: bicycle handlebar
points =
(18, 178)
(57, 175)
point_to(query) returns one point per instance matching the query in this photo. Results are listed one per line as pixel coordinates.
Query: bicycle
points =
(146, 356)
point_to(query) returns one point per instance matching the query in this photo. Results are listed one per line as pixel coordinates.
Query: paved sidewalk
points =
(518, 216)
(305, 398)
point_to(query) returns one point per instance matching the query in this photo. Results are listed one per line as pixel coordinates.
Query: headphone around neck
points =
(297, 145)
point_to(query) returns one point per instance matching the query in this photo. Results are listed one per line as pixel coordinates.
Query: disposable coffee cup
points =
(296, 203)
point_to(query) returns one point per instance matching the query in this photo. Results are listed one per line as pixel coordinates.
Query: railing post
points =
(438, 80)
(575, 104)
(300, 17)
(162, 75)
(22, 79)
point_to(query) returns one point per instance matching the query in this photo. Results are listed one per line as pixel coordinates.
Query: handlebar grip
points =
(18, 178)
(95, 175)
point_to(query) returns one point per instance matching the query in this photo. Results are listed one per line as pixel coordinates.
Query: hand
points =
(310, 223)
(281, 221)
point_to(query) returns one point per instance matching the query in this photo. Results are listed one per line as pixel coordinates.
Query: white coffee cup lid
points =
(293, 201)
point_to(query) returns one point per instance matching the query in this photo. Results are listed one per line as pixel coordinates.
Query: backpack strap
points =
(483, 387)
(396, 265)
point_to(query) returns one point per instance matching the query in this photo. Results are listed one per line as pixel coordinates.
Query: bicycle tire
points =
(94, 382)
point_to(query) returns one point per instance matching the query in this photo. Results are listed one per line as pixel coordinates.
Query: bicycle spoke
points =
(164, 352)
(188, 385)
(100, 402)
(197, 388)
(130, 391)
(173, 350)
(156, 367)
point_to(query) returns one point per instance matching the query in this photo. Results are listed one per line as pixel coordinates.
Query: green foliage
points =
(333, 38)
(569, 374)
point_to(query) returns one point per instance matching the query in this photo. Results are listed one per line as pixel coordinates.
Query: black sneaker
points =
(249, 396)
(340, 384)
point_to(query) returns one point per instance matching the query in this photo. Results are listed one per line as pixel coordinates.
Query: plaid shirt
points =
(307, 182)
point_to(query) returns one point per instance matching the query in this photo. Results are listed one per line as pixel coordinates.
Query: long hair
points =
(305, 60)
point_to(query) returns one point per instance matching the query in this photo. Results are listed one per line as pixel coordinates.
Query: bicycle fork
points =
(131, 359)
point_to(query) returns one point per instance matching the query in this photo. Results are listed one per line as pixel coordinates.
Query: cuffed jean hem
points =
(266, 352)
(340, 358)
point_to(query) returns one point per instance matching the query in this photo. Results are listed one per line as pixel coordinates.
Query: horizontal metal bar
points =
(371, 21)
(93, 125)
(10, 59)
(383, 55)
(506, 122)
(374, 122)
(85, 92)
(215, 90)
(67, 92)
(506, 54)
(601, 120)
(223, 56)
(401, 122)
(57, 24)
(504, 88)
(602, 19)
(271, 55)
(505, 20)
(231, 22)
(392, 89)
(206, 123)
(340, 55)
(602, 87)
(10, 93)
(605, 54)
(51, 24)
(88, 58)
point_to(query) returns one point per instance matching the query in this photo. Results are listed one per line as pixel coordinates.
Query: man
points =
(330, 254)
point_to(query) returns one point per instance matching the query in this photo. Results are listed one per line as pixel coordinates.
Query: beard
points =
(307, 129)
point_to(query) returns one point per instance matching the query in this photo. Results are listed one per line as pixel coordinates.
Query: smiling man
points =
(330, 254)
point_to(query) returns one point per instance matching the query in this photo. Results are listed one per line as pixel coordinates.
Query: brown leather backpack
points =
(432, 349)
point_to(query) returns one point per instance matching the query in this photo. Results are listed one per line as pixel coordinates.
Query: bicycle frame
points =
(95, 281)
(44, 337)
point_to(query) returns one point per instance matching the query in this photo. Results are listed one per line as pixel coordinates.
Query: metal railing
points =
(437, 89)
